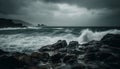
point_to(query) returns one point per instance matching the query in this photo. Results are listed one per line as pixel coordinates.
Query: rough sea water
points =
(32, 39)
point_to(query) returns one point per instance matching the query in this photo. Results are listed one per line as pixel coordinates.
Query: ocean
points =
(31, 39)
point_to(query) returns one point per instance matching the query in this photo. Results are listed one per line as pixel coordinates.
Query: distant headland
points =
(4, 23)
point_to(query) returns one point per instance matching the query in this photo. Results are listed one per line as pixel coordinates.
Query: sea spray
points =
(88, 35)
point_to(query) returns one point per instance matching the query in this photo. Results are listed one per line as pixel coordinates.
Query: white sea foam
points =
(32, 42)
(11, 28)
(88, 35)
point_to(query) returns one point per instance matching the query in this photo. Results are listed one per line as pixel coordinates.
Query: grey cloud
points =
(112, 18)
(12, 6)
(109, 17)
(34, 12)
(41, 11)
(90, 4)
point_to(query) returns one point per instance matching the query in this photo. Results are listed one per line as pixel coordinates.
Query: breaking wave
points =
(33, 41)
(88, 35)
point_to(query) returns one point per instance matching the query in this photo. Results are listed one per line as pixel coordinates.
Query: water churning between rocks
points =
(32, 39)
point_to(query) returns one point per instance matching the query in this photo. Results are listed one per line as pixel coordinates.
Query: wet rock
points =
(26, 59)
(102, 56)
(9, 62)
(62, 50)
(44, 57)
(57, 58)
(89, 57)
(65, 67)
(95, 65)
(3, 52)
(17, 55)
(32, 67)
(112, 40)
(115, 50)
(102, 49)
(59, 44)
(78, 66)
(74, 51)
(70, 59)
(99, 56)
(81, 48)
(56, 46)
(93, 42)
(39, 67)
(73, 44)
(36, 55)
(45, 48)
(46, 66)
(94, 54)
(92, 48)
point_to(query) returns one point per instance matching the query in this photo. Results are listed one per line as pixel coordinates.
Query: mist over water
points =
(31, 39)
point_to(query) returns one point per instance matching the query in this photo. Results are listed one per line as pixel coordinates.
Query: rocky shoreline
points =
(103, 54)
(13, 23)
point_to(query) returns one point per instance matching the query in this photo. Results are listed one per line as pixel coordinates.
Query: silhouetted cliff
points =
(12, 23)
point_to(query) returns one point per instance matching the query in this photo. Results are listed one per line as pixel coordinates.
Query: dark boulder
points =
(100, 56)
(56, 46)
(93, 42)
(47, 66)
(62, 50)
(92, 48)
(44, 57)
(57, 58)
(59, 44)
(70, 59)
(9, 62)
(17, 55)
(74, 51)
(38, 67)
(96, 65)
(26, 59)
(3, 52)
(73, 44)
(45, 48)
(67, 66)
(78, 66)
(112, 40)
(36, 55)
(90, 57)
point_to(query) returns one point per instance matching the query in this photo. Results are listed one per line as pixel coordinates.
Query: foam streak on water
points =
(22, 42)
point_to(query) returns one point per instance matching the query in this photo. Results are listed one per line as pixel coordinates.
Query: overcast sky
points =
(63, 12)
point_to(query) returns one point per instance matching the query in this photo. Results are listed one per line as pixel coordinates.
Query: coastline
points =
(103, 54)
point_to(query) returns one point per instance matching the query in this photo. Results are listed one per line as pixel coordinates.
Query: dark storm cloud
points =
(12, 6)
(48, 11)
(90, 4)
(33, 11)
(109, 17)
